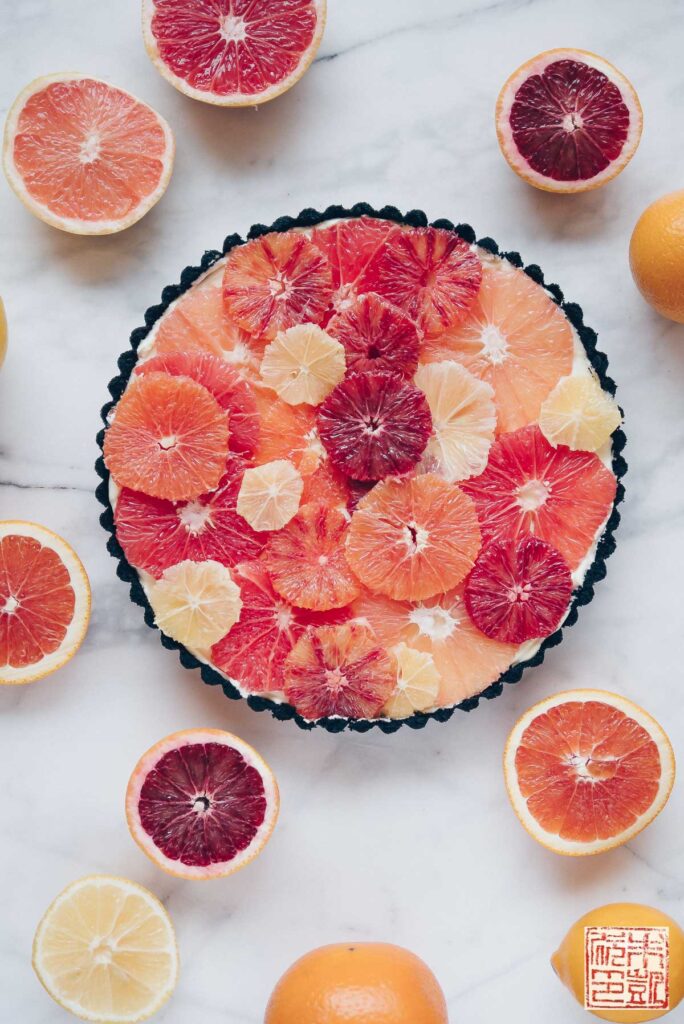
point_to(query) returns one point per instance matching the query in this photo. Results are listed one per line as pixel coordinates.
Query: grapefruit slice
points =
(303, 364)
(514, 338)
(568, 121)
(288, 432)
(349, 246)
(518, 591)
(417, 683)
(306, 560)
(579, 414)
(156, 534)
(410, 539)
(463, 420)
(195, 603)
(376, 336)
(222, 381)
(270, 494)
(202, 803)
(84, 156)
(253, 652)
(529, 487)
(338, 670)
(106, 951)
(587, 770)
(433, 275)
(466, 659)
(233, 53)
(275, 282)
(168, 438)
(44, 602)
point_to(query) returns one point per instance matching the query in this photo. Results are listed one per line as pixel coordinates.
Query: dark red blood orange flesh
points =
(376, 336)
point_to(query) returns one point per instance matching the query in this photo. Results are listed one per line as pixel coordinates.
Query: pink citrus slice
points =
(270, 495)
(376, 336)
(349, 246)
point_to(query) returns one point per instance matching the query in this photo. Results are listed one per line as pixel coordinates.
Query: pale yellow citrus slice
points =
(270, 494)
(196, 603)
(418, 681)
(463, 420)
(579, 414)
(303, 364)
(106, 951)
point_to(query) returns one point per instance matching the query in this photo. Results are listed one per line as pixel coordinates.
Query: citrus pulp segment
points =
(515, 338)
(431, 274)
(44, 602)
(413, 538)
(270, 494)
(587, 770)
(202, 803)
(338, 670)
(84, 156)
(233, 53)
(568, 121)
(303, 364)
(105, 950)
(349, 246)
(463, 420)
(417, 683)
(275, 282)
(529, 487)
(376, 335)
(195, 603)
(374, 425)
(306, 559)
(579, 414)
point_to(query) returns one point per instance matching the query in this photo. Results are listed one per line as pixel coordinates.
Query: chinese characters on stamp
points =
(626, 968)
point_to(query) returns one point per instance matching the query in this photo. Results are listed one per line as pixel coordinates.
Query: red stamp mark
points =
(627, 968)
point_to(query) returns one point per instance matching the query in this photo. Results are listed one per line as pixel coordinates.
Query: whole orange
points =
(358, 983)
(656, 255)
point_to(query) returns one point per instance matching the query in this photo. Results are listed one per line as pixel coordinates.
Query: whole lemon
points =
(656, 255)
(3, 333)
(358, 983)
(623, 962)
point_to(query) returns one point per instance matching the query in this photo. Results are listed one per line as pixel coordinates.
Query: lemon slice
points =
(303, 364)
(417, 683)
(270, 494)
(196, 603)
(106, 951)
(579, 414)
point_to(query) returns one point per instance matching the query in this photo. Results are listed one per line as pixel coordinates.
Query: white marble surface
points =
(407, 837)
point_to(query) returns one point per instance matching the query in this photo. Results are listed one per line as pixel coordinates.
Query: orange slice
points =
(195, 603)
(514, 338)
(288, 432)
(44, 602)
(168, 438)
(413, 538)
(579, 414)
(587, 770)
(303, 364)
(84, 156)
(270, 494)
(417, 685)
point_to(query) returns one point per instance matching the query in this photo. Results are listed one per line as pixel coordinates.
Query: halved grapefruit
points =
(587, 770)
(202, 803)
(233, 53)
(44, 602)
(84, 156)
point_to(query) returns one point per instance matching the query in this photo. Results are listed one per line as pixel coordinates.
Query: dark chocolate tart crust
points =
(309, 218)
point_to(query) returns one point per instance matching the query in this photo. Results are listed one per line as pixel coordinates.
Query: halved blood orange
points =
(514, 338)
(349, 246)
(168, 438)
(376, 336)
(568, 121)
(233, 53)
(529, 487)
(84, 156)
(202, 803)
(275, 282)
(44, 602)
(587, 770)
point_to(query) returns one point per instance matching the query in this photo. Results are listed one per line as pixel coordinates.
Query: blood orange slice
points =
(529, 487)
(233, 53)
(518, 591)
(466, 659)
(168, 438)
(431, 274)
(515, 338)
(376, 336)
(410, 539)
(84, 156)
(231, 392)
(568, 121)
(587, 770)
(338, 670)
(202, 803)
(349, 246)
(275, 282)
(156, 534)
(44, 602)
